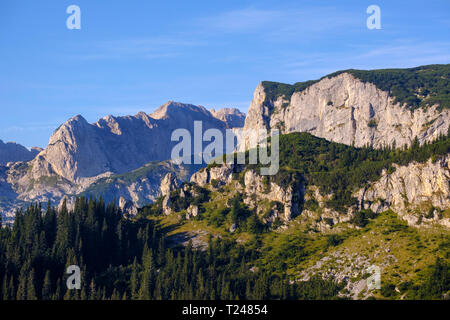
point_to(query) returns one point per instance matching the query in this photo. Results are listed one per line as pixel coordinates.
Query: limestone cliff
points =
(418, 192)
(270, 200)
(345, 109)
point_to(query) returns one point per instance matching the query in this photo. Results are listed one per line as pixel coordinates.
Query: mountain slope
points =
(324, 183)
(117, 145)
(13, 152)
(232, 117)
(333, 212)
(126, 155)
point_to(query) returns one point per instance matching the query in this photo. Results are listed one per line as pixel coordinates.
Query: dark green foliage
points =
(215, 183)
(274, 90)
(361, 218)
(153, 209)
(239, 212)
(388, 290)
(334, 240)
(437, 283)
(416, 87)
(218, 217)
(195, 196)
(340, 169)
(130, 259)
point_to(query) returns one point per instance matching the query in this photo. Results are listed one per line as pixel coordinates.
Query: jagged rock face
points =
(415, 186)
(256, 190)
(84, 158)
(13, 152)
(344, 109)
(168, 184)
(79, 150)
(192, 211)
(18, 186)
(222, 174)
(231, 116)
(139, 187)
(127, 206)
(323, 218)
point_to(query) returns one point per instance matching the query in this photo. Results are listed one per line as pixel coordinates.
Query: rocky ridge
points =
(113, 158)
(347, 110)
(13, 152)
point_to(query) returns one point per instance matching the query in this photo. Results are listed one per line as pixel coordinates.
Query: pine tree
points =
(93, 291)
(47, 287)
(22, 289)
(134, 280)
(146, 289)
(5, 288)
(248, 290)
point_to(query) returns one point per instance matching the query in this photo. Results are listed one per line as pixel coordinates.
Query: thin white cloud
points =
(142, 48)
(395, 54)
(283, 23)
(243, 20)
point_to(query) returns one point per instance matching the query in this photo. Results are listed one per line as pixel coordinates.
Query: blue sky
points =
(136, 55)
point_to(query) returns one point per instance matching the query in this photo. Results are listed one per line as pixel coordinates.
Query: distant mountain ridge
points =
(101, 158)
(80, 150)
(119, 156)
(231, 116)
(13, 152)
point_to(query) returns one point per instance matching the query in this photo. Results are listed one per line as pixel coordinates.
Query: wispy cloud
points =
(142, 48)
(281, 24)
(243, 20)
(394, 54)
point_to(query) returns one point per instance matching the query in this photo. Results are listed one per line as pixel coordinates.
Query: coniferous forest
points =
(122, 258)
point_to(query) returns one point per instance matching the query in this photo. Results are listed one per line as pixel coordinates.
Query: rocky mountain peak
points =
(175, 109)
(233, 117)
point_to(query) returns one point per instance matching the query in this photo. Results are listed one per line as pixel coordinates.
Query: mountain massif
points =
(119, 157)
(362, 191)
(80, 154)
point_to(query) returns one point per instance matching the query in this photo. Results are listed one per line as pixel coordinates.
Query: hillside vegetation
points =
(419, 87)
(340, 169)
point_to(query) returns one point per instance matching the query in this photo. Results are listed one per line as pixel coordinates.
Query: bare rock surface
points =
(346, 110)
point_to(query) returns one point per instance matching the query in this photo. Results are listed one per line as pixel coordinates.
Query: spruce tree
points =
(47, 287)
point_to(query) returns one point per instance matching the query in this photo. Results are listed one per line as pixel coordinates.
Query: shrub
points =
(334, 240)
(361, 218)
(372, 123)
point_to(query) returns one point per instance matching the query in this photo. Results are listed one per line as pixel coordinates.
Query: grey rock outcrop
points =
(289, 197)
(79, 150)
(192, 211)
(231, 116)
(168, 184)
(127, 206)
(420, 186)
(280, 202)
(344, 109)
(220, 174)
